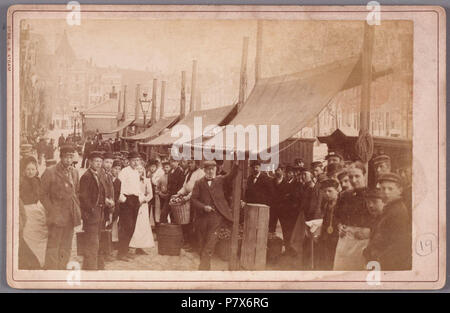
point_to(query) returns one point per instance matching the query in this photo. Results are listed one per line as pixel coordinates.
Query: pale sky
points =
(167, 47)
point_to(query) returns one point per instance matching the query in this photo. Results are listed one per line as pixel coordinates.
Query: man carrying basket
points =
(212, 209)
(194, 174)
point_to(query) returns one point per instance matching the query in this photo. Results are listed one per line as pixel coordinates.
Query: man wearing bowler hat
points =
(59, 189)
(259, 188)
(130, 199)
(213, 210)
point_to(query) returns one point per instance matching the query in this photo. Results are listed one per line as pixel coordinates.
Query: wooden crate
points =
(254, 242)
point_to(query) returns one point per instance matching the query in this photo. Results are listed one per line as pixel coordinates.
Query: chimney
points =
(137, 104)
(163, 91)
(193, 85)
(183, 95)
(155, 85)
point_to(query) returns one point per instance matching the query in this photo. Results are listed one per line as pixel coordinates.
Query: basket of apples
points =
(180, 209)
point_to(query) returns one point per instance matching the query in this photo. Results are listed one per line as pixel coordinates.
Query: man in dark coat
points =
(277, 186)
(92, 204)
(59, 196)
(259, 187)
(390, 238)
(289, 206)
(61, 141)
(175, 178)
(89, 147)
(213, 210)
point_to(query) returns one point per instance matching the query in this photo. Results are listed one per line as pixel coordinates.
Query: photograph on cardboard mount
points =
(105, 106)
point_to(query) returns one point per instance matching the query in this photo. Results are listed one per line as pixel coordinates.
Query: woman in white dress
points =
(143, 235)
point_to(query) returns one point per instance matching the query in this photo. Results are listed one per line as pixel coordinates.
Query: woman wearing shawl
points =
(34, 233)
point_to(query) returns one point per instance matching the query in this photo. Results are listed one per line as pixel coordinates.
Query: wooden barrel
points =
(254, 242)
(181, 212)
(170, 239)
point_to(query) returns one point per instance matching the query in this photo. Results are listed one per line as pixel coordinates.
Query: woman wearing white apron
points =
(354, 222)
(143, 235)
(34, 233)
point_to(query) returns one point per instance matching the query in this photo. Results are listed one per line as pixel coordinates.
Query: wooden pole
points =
(119, 104)
(236, 201)
(183, 95)
(243, 78)
(237, 183)
(366, 78)
(155, 86)
(163, 94)
(193, 85)
(259, 31)
(124, 133)
(137, 104)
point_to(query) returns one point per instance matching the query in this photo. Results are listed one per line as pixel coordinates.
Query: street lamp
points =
(76, 114)
(144, 100)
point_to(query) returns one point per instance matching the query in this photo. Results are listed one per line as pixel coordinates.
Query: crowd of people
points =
(329, 218)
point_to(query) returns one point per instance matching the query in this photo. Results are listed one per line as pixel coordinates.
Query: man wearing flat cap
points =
(59, 196)
(93, 203)
(390, 239)
(381, 165)
(213, 210)
(334, 158)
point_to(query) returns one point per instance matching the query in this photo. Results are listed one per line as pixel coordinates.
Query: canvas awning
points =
(287, 102)
(155, 129)
(214, 116)
(119, 128)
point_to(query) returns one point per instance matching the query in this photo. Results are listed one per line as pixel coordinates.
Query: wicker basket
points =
(181, 212)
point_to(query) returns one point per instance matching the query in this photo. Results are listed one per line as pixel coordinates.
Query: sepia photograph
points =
(193, 147)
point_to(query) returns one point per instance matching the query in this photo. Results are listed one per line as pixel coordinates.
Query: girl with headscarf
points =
(34, 233)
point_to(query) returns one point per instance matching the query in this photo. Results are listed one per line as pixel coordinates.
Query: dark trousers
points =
(288, 218)
(207, 226)
(165, 210)
(93, 259)
(127, 222)
(273, 218)
(59, 246)
(325, 252)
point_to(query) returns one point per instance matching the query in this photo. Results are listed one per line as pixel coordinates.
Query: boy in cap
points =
(93, 206)
(328, 232)
(390, 238)
(213, 210)
(59, 196)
